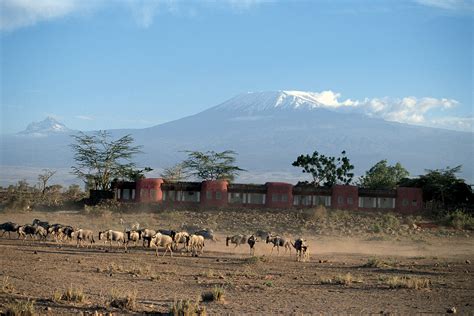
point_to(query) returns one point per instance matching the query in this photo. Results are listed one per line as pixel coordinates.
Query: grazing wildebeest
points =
(9, 227)
(278, 242)
(251, 241)
(301, 247)
(236, 239)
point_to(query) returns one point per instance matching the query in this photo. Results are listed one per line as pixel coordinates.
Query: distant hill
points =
(269, 130)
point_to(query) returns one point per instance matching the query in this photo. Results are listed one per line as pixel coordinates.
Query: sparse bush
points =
(346, 279)
(127, 301)
(315, 214)
(7, 286)
(376, 228)
(459, 220)
(70, 295)
(20, 308)
(379, 263)
(375, 263)
(340, 215)
(187, 308)
(390, 221)
(395, 282)
(216, 295)
(255, 259)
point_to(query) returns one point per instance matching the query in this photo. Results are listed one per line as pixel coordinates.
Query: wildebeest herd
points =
(169, 240)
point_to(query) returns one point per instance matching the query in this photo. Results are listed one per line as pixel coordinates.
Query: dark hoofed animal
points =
(8, 227)
(251, 241)
(278, 242)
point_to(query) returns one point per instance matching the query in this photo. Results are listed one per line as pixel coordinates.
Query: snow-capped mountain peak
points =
(47, 126)
(286, 99)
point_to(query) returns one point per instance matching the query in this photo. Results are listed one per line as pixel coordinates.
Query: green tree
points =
(74, 193)
(383, 176)
(99, 159)
(43, 179)
(444, 186)
(326, 170)
(175, 173)
(212, 165)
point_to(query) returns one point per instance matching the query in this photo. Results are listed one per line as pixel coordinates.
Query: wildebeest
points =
(8, 227)
(278, 242)
(207, 234)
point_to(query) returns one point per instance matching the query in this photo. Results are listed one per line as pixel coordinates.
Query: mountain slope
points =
(269, 130)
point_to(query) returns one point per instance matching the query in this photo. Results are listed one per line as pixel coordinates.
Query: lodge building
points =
(277, 195)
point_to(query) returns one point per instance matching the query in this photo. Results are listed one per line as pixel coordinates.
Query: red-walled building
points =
(277, 195)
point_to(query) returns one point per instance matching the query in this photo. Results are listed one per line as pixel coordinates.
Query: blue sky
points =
(131, 64)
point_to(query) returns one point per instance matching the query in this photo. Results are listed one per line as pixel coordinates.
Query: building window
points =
(218, 195)
(340, 200)
(350, 201)
(169, 195)
(405, 202)
(153, 193)
(284, 198)
(275, 197)
(126, 194)
(255, 198)
(208, 195)
(235, 197)
(414, 203)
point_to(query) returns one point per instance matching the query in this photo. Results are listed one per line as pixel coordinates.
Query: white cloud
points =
(453, 5)
(84, 117)
(20, 13)
(16, 14)
(425, 111)
(453, 122)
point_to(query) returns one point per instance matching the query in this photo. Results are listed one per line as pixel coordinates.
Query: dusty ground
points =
(252, 285)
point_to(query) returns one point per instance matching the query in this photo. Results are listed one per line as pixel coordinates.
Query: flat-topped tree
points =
(326, 170)
(211, 165)
(100, 159)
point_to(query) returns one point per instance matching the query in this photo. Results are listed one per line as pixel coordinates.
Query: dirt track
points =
(268, 285)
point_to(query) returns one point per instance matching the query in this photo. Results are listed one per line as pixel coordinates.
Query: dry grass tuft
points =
(255, 259)
(7, 286)
(187, 308)
(70, 295)
(126, 301)
(379, 263)
(216, 295)
(20, 308)
(396, 282)
(346, 279)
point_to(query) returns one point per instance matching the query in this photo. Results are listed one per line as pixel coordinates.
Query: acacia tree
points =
(211, 165)
(326, 170)
(444, 186)
(383, 176)
(43, 179)
(99, 159)
(175, 173)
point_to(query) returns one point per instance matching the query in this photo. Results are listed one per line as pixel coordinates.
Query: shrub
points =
(375, 263)
(315, 214)
(391, 221)
(376, 228)
(20, 308)
(459, 220)
(70, 295)
(187, 308)
(216, 295)
(7, 286)
(395, 282)
(127, 301)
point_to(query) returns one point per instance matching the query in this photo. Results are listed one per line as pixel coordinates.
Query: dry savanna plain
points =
(364, 263)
